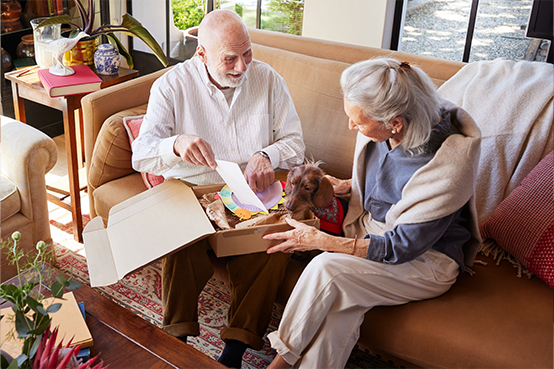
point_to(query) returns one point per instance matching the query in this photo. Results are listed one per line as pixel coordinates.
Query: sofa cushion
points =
(487, 320)
(315, 89)
(132, 125)
(10, 201)
(116, 191)
(523, 223)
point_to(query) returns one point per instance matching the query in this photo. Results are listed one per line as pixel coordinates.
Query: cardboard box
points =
(160, 221)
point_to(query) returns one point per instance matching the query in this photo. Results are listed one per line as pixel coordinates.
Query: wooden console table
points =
(28, 86)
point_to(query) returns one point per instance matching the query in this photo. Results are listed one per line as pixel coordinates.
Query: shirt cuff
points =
(167, 154)
(376, 249)
(273, 154)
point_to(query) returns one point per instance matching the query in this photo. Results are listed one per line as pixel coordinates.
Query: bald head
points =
(224, 47)
(221, 26)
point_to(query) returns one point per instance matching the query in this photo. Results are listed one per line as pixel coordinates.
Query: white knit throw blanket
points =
(436, 190)
(512, 104)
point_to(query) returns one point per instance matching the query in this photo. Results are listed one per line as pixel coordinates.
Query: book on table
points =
(69, 320)
(83, 81)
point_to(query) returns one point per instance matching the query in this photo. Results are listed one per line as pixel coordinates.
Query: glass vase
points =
(42, 37)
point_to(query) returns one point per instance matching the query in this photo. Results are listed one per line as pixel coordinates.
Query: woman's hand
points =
(341, 186)
(302, 238)
(305, 238)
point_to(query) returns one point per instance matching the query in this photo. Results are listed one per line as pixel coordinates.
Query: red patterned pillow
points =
(523, 223)
(132, 125)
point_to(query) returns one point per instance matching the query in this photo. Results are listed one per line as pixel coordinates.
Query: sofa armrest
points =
(100, 105)
(27, 155)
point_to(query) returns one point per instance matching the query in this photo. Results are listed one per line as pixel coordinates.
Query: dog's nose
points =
(290, 206)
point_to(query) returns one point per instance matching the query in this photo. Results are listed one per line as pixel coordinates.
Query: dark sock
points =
(232, 354)
(183, 338)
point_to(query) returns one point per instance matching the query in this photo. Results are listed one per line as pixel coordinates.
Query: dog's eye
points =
(307, 188)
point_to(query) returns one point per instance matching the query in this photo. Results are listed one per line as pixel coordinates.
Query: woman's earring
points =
(394, 131)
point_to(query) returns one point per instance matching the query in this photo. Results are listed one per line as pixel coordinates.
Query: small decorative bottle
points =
(106, 59)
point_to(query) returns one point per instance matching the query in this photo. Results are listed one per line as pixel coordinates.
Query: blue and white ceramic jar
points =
(106, 59)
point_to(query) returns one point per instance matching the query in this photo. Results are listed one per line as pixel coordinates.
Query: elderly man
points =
(220, 104)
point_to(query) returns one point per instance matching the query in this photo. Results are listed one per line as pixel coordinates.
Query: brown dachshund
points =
(308, 188)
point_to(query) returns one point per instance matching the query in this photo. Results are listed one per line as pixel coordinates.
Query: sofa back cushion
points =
(440, 70)
(314, 85)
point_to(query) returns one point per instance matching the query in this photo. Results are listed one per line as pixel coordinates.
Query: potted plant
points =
(129, 26)
(31, 312)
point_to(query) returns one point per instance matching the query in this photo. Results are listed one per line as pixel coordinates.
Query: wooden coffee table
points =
(125, 340)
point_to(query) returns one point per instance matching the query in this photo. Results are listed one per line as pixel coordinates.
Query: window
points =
(439, 28)
(273, 15)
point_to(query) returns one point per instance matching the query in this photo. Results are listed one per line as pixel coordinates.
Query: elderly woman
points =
(411, 224)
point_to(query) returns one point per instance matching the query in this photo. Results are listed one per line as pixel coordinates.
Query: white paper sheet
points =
(234, 178)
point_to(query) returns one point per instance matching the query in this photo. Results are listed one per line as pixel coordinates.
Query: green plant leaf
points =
(59, 19)
(72, 285)
(23, 324)
(69, 283)
(121, 49)
(57, 289)
(54, 307)
(4, 362)
(33, 304)
(42, 327)
(35, 346)
(19, 361)
(41, 311)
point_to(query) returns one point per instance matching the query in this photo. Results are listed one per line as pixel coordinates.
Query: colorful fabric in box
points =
(132, 125)
(523, 223)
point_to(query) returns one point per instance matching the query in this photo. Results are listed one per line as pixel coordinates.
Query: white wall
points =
(358, 22)
(151, 13)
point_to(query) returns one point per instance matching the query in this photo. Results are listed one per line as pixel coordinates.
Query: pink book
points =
(83, 81)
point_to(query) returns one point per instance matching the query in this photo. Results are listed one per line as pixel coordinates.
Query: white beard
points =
(223, 80)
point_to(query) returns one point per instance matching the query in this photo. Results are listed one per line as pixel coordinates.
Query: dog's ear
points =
(288, 185)
(324, 193)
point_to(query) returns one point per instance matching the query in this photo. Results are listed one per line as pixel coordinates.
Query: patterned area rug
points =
(140, 292)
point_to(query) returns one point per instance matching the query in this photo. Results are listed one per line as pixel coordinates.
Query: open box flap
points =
(145, 228)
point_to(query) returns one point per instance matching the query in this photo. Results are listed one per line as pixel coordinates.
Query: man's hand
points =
(259, 173)
(194, 150)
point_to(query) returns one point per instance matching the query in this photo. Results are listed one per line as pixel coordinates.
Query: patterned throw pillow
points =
(132, 125)
(523, 223)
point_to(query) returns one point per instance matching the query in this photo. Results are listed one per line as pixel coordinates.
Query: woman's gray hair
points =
(386, 88)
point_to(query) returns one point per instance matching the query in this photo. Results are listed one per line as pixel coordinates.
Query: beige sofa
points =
(27, 155)
(489, 320)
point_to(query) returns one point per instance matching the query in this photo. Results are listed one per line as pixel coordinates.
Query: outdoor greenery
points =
(31, 315)
(293, 13)
(188, 13)
(282, 15)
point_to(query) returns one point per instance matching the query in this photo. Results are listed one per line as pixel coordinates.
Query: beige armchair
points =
(26, 156)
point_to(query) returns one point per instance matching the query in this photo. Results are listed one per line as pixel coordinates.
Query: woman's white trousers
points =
(321, 322)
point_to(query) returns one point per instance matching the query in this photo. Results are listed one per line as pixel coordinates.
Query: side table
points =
(28, 86)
